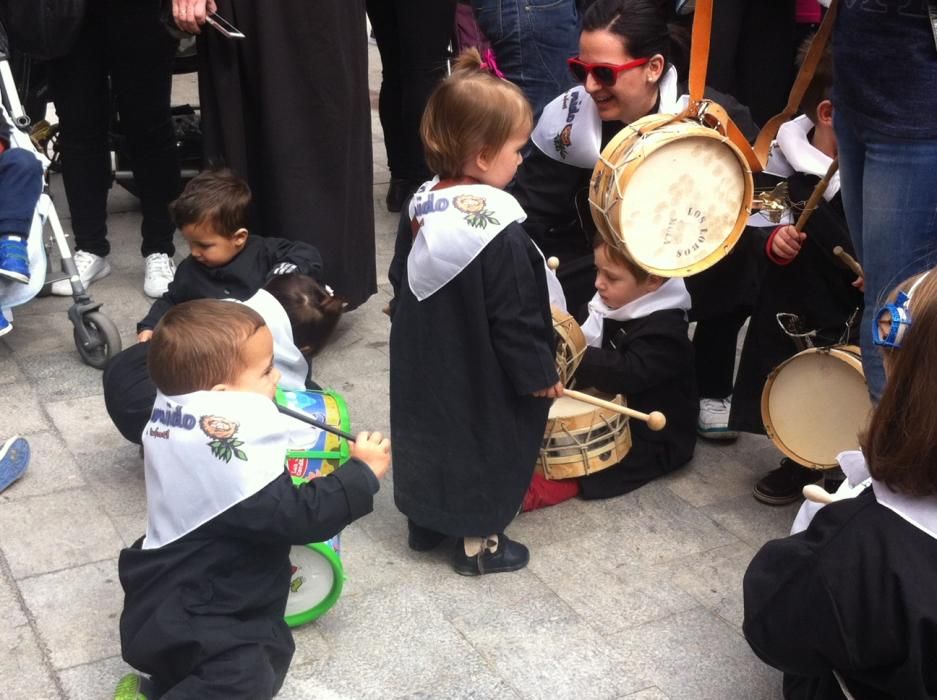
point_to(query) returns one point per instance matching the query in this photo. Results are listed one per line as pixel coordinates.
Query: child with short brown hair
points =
(206, 588)
(471, 345)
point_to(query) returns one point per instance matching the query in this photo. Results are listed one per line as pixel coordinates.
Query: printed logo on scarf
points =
(474, 208)
(222, 431)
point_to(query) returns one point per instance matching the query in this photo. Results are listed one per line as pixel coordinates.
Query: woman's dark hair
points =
(645, 28)
(312, 311)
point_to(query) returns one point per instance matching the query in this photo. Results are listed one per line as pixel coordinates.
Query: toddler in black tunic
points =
(471, 358)
(206, 588)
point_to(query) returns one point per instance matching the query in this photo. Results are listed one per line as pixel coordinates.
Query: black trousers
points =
(412, 37)
(715, 342)
(124, 41)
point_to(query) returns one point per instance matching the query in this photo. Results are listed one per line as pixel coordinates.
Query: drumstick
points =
(553, 262)
(305, 418)
(655, 419)
(815, 196)
(817, 494)
(849, 261)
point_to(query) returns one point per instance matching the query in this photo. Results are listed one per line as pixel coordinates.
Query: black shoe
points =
(786, 483)
(398, 191)
(510, 556)
(423, 539)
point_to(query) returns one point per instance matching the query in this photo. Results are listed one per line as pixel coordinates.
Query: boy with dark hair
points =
(206, 588)
(212, 213)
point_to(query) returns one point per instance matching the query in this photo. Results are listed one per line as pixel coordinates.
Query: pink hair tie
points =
(488, 64)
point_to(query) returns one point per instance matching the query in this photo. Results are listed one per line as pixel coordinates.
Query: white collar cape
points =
(672, 294)
(792, 153)
(570, 131)
(455, 225)
(919, 512)
(205, 452)
(286, 356)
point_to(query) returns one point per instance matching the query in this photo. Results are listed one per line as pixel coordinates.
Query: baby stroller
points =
(96, 336)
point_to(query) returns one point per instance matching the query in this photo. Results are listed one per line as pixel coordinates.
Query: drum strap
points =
(714, 115)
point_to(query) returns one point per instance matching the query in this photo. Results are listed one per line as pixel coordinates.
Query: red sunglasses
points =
(604, 73)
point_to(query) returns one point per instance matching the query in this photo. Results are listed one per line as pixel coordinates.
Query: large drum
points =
(815, 403)
(581, 439)
(570, 344)
(672, 195)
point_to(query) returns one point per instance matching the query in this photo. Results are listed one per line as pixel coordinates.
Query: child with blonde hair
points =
(846, 608)
(471, 347)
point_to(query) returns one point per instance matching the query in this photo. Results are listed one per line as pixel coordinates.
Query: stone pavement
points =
(637, 597)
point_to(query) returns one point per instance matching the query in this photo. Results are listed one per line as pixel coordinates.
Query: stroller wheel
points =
(103, 339)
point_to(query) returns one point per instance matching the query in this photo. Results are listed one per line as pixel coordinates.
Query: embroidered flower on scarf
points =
(562, 140)
(222, 431)
(476, 215)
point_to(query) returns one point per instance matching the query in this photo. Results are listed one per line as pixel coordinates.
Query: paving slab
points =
(24, 673)
(51, 468)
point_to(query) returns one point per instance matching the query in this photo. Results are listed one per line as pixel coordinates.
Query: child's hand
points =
(859, 283)
(144, 336)
(786, 242)
(551, 392)
(374, 450)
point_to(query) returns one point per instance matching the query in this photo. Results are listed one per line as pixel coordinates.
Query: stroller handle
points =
(4, 43)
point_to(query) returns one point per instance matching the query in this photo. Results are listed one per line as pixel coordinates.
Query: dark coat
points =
(853, 593)
(239, 279)
(650, 361)
(464, 362)
(816, 286)
(224, 585)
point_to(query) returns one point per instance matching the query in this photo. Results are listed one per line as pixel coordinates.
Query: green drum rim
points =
(332, 557)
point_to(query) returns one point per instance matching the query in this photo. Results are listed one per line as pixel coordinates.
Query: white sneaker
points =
(713, 422)
(91, 267)
(160, 269)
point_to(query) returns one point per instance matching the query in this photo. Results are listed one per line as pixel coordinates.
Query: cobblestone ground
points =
(637, 597)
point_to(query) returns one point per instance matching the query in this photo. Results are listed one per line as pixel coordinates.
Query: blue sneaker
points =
(14, 259)
(5, 326)
(14, 458)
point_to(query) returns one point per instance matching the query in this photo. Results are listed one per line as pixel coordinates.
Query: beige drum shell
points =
(581, 439)
(675, 233)
(815, 403)
(570, 344)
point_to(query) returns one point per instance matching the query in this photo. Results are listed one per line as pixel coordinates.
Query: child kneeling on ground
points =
(636, 332)
(206, 588)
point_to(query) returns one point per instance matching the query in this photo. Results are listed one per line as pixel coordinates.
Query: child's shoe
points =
(14, 458)
(507, 556)
(786, 483)
(133, 686)
(422, 539)
(5, 326)
(14, 259)
(713, 422)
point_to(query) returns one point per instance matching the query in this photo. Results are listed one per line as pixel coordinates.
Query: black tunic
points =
(239, 279)
(463, 365)
(853, 593)
(816, 286)
(287, 108)
(650, 361)
(206, 611)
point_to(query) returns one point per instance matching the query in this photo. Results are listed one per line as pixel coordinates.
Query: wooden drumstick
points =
(849, 261)
(655, 419)
(815, 196)
(553, 262)
(309, 420)
(817, 494)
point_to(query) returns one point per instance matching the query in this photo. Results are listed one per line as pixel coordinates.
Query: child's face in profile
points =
(503, 165)
(210, 248)
(257, 374)
(615, 283)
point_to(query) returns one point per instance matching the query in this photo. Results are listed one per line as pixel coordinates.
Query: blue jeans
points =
(889, 188)
(531, 40)
(20, 187)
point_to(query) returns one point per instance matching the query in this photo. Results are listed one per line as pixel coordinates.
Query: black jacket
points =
(240, 279)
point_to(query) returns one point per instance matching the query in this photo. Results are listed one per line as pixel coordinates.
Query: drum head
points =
(682, 205)
(315, 582)
(815, 405)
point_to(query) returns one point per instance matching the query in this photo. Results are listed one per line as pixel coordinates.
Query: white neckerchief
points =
(672, 294)
(286, 356)
(792, 153)
(205, 452)
(570, 130)
(857, 480)
(456, 223)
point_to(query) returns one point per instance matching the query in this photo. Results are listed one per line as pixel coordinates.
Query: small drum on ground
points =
(671, 194)
(815, 403)
(316, 572)
(570, 344)
(581, 439)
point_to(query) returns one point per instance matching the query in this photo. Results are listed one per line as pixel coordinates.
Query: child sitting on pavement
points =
(212, 213)
(637, 345)
(206, 588)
